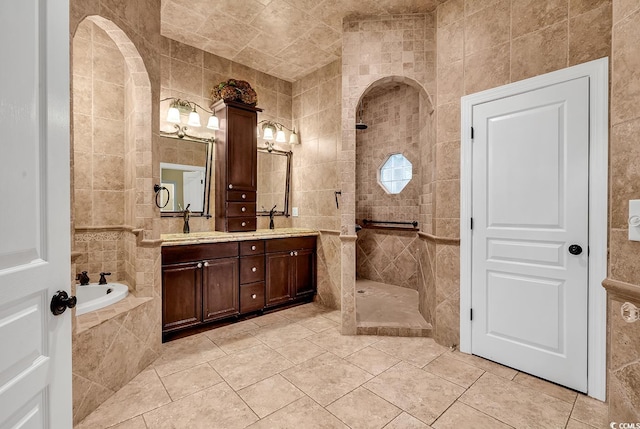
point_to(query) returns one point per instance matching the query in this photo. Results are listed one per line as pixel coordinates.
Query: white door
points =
(35, 361)
(530, 205)
(193, 190)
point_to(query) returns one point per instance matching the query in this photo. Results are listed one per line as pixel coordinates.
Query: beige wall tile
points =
(532, 15)
(540, 52)
(625, 88)
(487, 28)
(449, 12)
(487, 69)
(450, 43)
(590, 35)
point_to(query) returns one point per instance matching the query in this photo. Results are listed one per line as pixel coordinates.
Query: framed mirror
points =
(274, 177)
(185, 176)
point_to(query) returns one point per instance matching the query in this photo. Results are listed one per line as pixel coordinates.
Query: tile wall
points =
(623, 377)
(483, 45)
(134, 27)
(398, 49)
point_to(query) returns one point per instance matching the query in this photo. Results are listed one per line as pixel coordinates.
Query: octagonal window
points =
(395, 173)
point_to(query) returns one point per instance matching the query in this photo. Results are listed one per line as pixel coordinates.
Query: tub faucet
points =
(83, 278)
(103, 281)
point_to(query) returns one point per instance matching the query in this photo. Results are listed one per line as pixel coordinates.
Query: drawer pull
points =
(290, 253)
(230, 186)
(254, 269)
(206, 264)
(199, 265)
(244, 196)
(244, 209)
(244, 223)
(254, 296)
(253, 247)
(295, 253)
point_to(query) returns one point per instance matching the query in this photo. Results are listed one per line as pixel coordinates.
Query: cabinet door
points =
(181, 296)
(303, 275)
(278, 278)
(241, 147)
(220, 288)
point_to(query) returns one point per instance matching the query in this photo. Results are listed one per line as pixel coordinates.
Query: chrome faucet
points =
(83, 278)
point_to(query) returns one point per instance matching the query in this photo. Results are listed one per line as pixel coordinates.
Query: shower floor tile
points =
(386, 309)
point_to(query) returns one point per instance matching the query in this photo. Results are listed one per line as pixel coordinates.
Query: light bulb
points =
(293, 139)
(268, 133)
(280, 137)
(213, 123)
(173, 115)
(194, 119)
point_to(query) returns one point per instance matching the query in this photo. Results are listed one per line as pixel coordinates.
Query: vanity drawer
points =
(239, 224)
(251, 269)
(251, 297)
(249, 248)
(198, 252)
(287, 244)
(241, 209)
(241, 196)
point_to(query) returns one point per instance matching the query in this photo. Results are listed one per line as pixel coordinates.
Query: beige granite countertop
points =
(220, 237)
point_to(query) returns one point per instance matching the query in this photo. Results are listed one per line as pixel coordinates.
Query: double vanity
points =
(212, 278)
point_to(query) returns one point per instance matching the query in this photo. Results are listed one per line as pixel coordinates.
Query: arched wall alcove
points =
(420, 152)
(112, 209)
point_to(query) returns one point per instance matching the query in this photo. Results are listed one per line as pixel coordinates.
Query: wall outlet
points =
(294, 211)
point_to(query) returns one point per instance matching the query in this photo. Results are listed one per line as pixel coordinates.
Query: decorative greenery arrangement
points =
(234, 90)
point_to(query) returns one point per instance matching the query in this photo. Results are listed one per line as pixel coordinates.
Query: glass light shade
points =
(280, 137)
(268, 133)
(214, 123)
(173, 115)
(194, 119)
(293, 139)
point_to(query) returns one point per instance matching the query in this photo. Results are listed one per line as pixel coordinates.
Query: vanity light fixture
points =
(181, 107)
(274, 131)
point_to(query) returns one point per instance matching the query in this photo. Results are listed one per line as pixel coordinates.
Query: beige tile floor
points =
(293, 369)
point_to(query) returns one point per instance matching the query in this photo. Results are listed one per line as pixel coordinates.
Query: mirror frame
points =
(207, 182)
(288, 154)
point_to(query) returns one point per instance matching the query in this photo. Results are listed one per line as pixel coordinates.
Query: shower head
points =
(361, 125)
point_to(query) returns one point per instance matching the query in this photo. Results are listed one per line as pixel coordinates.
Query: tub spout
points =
(103, 280)
(83, 278)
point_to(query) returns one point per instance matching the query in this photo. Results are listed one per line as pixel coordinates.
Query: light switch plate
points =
(294, 211)
(634, 220)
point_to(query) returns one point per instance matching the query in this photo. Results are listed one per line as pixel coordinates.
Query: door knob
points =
(574, 249)
(61, 301)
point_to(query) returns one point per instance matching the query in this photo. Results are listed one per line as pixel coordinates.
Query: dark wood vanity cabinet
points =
(220, 288)
(213, 283)
(200, 284)
(290, 269)
(236, 167)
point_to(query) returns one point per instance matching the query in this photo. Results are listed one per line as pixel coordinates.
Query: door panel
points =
(278, 272)
(35, 362)
(220, 294)
(181, 296)
(530, 203)
(243, 156)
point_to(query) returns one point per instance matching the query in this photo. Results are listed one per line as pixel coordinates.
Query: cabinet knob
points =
(254, 296)
(295, 253)
(244, 196)
(244, 223)
(244, 209)
(290, 253)
(253, 247)
(206, 264)
(230, 186)
(254, 269)
(199, 265)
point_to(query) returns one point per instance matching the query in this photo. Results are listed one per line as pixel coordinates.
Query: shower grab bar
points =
(414, 223)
